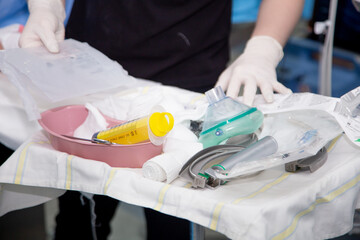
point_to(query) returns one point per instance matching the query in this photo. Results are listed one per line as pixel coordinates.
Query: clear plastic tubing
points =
(153, 127)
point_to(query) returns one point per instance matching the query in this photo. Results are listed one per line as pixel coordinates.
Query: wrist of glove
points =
(45, 25)
(256, 67)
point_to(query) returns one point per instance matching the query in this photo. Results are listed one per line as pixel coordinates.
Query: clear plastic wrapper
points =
(345, 109)
(299, 134)
(347, 112)
(42, 77)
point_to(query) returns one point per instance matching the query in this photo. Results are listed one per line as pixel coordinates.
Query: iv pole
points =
(325, 66)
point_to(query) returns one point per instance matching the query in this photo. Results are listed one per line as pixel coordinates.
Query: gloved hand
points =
(356, 4)
(9, 36)
(45, 25)
(254, 68)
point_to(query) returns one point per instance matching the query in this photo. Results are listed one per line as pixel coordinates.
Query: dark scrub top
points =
(176, 42)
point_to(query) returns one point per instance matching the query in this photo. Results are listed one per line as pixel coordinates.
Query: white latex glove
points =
(9, 36)
(45, 25)
(356, 4)
(254, 68)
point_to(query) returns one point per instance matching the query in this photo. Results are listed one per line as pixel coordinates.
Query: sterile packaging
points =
(43, 78)
(347, 112)
(299, 134)
(344, 109)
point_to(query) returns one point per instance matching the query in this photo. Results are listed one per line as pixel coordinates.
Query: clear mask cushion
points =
(241, 115)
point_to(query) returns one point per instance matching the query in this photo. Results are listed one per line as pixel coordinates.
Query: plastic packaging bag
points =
(299, 134)
(347, 112)
(346, 109)
(77, 70)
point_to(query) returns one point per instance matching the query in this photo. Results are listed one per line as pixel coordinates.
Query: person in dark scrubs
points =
(182, 43)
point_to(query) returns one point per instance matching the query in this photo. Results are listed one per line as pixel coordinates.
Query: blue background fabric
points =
(16, 11)
(247, 10)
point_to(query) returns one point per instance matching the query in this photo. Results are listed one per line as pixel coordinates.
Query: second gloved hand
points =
(254, 68)
(45, 25)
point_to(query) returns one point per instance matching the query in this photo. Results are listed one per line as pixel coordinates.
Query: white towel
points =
(94, 122)
(166, 167)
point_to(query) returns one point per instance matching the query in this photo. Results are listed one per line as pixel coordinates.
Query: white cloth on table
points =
(271, 205)
(93, 123)
(15, 127)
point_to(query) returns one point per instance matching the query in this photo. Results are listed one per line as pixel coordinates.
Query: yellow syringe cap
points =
(161, 123)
